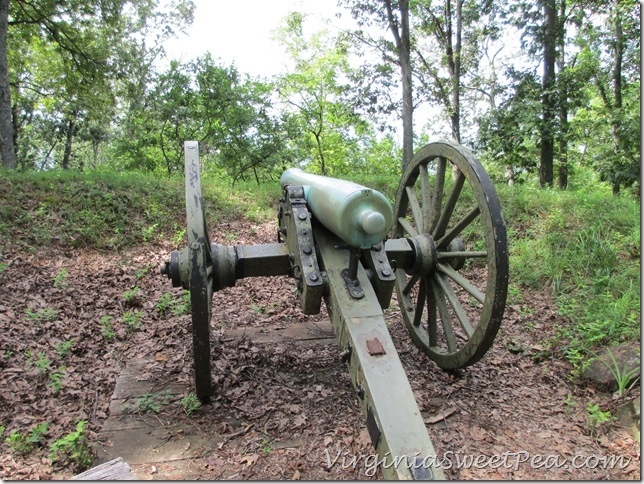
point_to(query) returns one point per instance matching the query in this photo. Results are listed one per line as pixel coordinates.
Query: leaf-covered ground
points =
(71, 319)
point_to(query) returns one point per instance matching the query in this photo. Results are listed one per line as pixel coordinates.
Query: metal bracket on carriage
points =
(350, 274)
(295, 226)
(380, 272)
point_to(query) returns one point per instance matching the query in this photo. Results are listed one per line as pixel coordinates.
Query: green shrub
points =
(25, 443)
(73, 448)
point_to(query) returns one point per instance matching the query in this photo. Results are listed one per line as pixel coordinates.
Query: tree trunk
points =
(562, 178)
(453, 51)
(617, 88)
(95, 144)
(408, 104)
(71, 126)
(401, 37)
(7, 147)
(547, 98)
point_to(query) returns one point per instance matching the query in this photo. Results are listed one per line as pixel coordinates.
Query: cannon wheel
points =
(453, 299)
(200, 270)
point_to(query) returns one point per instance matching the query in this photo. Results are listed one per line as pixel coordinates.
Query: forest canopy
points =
(545, 91)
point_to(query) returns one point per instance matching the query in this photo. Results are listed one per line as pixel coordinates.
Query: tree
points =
(610, 121)
(508, 134)
(227, 112)
(392, 15)
(398, 21)
(624, 26)
(7, 148)
(83, 41)
(315, 95)
(544, 38)
(64, 24)
(445, 44)
(548, 95)
(441, 28)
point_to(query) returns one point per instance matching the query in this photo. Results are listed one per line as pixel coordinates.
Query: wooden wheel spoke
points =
(416, 211)
(461, 281)
(432, 323)
(425, 196)
(458, 228)
(460, 313)
(420, 303)
(408, 227)
(410, 284)
(450, 204)
(446, 320)
(437, 196)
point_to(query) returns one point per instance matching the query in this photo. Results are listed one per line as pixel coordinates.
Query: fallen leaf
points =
(299, 420)
(249, 460)
(364, 438)
(441, 416)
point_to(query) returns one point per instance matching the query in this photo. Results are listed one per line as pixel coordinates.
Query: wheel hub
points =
(425, 255)
(456, 245)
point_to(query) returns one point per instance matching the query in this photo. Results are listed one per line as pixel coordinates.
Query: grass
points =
(106, 327)
(624, 377)
(63, 348)
(595, 417)
(150, 402)
(190, 403)
(105, 210)
(174, 304)
(45, 314)
(25, 443)
(583, 247)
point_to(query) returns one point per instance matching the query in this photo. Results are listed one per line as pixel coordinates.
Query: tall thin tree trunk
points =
(7, 147)
(562, 163)
(71, 126)
(95, 153)
(401, 37)
(617, 88)
(548, 98)
(453, 51)
(408, 104)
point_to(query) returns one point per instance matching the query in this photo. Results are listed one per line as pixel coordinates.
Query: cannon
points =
(442, 246)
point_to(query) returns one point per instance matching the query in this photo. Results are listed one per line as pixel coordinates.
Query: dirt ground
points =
(282, 410)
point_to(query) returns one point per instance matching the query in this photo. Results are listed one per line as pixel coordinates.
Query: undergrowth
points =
(113, 211)
(583, 246)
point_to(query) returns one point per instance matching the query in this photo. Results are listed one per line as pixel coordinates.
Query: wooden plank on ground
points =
(310, 331)
(114, 470)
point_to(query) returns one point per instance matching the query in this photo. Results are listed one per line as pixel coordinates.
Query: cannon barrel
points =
(360, 216)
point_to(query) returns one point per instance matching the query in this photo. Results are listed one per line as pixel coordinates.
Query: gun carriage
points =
(442, 246)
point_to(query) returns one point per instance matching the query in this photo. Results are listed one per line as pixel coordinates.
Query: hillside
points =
(79, 264)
